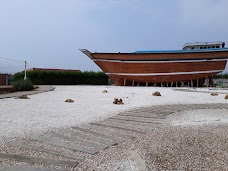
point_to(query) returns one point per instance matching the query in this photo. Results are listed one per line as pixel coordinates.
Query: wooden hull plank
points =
(161, 56)
(163, 67)
(27, 159)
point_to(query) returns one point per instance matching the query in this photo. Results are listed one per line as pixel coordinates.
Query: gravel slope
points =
(202, 147)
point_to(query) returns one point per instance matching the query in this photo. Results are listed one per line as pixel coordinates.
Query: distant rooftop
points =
(53, 69)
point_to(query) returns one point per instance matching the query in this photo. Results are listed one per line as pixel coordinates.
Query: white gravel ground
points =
(197, 117)
(20, 117)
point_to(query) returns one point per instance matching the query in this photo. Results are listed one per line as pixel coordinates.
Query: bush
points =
(23, 85)
(65, 77)
(225, 76)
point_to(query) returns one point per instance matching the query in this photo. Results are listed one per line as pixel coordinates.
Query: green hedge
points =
(225, 76)
(23, 85)
(64, 77)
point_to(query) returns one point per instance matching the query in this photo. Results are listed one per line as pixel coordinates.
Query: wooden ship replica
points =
(187, 67)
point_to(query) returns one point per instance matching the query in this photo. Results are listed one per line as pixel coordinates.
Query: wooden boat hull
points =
(161, 67)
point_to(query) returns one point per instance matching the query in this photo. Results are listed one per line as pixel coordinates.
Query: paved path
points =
(79, 142)
(40, 89)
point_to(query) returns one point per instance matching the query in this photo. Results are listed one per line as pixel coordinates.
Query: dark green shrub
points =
(23, 85)
(65, 77)
(225, 76)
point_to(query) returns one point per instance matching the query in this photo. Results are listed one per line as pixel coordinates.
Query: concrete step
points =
(135, 119)
(93, 138)
(144, 115)
(121, 127)
(41, 149)
(115, 139)
(77, 141)
(127, 124)
(110, 131)
(30, 159)
(65, 145)
(133, 123)
(17, 168)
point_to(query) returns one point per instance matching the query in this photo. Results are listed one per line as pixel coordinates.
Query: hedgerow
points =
(225, 76)
(64, 77)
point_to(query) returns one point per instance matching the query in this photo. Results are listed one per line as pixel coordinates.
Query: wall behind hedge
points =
(64, 77)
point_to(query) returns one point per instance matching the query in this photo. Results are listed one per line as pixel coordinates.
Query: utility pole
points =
(222, 80)
(25, 72)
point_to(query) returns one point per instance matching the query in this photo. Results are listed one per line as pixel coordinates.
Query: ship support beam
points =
(124, 82)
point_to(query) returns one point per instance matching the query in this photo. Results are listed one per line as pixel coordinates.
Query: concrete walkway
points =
(40, 89)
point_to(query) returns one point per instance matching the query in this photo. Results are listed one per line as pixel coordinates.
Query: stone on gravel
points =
(156, 93)
(69, 100)
(214, 94)
(226, 96)
(118, 101)
(24, 96)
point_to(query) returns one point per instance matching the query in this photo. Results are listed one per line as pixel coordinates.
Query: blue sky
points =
(48, 33)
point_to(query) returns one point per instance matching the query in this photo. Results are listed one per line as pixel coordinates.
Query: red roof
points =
(52, 69)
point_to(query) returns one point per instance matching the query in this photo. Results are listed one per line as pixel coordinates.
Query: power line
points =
(12, 59)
